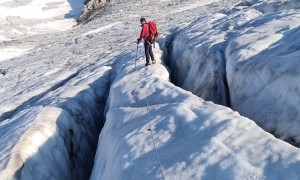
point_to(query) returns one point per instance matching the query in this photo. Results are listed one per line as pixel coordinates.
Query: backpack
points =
(153, 31)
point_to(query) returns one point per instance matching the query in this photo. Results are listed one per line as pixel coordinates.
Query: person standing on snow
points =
(147, 39)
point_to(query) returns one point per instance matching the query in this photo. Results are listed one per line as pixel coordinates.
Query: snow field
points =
(194, 139)
(247, 60)
(8, 53)
(19, 19)
(55, 137)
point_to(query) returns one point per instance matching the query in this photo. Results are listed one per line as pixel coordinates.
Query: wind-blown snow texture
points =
(53, 99)
(252, 52)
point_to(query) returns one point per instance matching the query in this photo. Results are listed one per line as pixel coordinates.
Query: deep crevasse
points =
(56, 137)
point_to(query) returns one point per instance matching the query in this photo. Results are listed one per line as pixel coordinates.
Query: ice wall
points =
(197, 55)
(252, 53)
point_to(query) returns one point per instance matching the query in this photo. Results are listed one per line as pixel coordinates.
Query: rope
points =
(150, 129)
(136, 58)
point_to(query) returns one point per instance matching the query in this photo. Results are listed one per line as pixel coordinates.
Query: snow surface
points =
(53, 98)
(34, 13)
(22, 19)
(8, 53)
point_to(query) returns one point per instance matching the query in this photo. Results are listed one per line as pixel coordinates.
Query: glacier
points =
(79, 103)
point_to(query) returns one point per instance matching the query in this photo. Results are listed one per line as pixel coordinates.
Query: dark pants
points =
(148, 52)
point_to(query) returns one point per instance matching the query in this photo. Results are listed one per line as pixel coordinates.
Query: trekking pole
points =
(136, 57)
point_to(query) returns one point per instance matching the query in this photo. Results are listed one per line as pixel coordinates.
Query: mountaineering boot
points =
(147, 64)
(153, 62)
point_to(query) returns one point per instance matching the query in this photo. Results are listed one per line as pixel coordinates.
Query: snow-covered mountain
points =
(59, 89)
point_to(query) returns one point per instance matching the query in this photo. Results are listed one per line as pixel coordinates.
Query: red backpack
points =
(153, 31)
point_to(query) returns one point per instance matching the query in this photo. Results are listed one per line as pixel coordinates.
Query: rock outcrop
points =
(90, 7)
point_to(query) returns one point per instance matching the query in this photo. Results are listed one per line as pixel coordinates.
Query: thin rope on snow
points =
(150, 129)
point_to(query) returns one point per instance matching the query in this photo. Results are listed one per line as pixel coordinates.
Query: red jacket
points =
(144, 33)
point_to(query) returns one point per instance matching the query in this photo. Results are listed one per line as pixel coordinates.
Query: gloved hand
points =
(138, 41)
